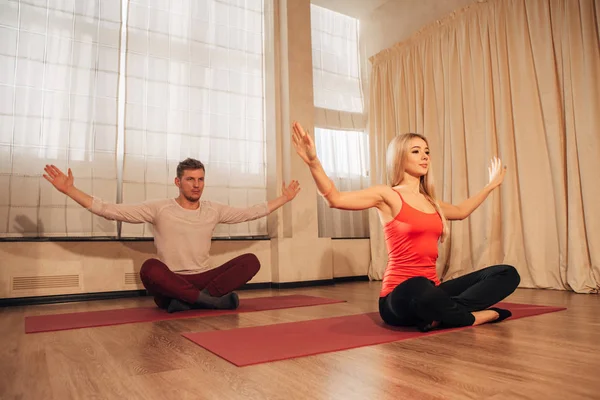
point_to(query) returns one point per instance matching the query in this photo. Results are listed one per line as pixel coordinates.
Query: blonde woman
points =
(414, 221)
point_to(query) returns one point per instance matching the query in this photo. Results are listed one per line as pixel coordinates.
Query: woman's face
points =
(417, 158)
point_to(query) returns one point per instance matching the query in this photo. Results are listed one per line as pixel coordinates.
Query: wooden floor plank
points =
(547, 356)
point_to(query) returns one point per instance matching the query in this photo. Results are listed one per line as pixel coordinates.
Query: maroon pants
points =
(165, 284)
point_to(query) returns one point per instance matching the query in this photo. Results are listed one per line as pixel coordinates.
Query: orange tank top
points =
(412, 244)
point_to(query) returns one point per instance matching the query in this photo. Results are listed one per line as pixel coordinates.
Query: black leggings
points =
(417, 301)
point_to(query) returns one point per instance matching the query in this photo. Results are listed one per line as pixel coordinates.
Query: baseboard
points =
(255, 286)
(321, 282)
(295, 285)
(69, 298)
(82, 239)
(343, 279)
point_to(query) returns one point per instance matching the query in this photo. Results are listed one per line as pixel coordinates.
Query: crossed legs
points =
(463, 301)
(210, 289)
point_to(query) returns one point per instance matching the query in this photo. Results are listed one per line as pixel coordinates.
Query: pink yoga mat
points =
(57, 322)
(248, 346)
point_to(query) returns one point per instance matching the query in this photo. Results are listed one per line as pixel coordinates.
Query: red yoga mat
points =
(256, 345)
(58, 322)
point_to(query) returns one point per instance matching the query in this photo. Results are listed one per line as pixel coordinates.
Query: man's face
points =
(191, 184)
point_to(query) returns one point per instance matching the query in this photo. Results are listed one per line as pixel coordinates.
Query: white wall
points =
(52, 268)
(395, 21)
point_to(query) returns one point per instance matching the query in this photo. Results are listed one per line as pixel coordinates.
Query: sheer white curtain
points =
(58, 104)
(195, 89)
(340, 124)
(349, 170)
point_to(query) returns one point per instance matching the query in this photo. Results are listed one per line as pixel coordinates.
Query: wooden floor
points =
(550, 356)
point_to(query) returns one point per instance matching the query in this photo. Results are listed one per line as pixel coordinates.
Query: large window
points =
(58, 104)
(340, 137)
(193, 79)
(195, 89)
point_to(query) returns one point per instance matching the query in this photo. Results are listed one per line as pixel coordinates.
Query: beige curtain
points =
(521, 80)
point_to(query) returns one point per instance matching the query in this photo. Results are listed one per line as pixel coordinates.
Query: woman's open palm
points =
(303, 143)
(496, 172)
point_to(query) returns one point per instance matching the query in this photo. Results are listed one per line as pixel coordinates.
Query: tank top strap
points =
(401, 198)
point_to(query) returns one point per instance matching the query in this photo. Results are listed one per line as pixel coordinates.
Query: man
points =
(180, 278)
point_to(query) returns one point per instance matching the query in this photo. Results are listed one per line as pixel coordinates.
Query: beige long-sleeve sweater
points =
(182, 237)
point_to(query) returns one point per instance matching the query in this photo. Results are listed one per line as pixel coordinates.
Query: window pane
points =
(336, 69)
(345, 159)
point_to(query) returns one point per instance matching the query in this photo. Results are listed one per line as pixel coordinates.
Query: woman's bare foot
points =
(428, 327)
(490, 315)
(485, 316)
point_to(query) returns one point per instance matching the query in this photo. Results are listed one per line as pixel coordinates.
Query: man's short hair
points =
(189, 164)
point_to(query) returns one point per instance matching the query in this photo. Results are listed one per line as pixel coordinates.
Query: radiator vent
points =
(45, 282)
(132, 278)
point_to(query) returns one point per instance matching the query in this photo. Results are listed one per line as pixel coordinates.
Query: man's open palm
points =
(58, 179)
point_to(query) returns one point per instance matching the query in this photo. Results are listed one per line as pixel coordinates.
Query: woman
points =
(414, 220)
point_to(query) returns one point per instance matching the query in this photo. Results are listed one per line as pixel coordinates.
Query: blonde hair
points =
(396, 156)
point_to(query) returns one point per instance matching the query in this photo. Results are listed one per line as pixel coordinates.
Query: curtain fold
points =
(520, 80)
